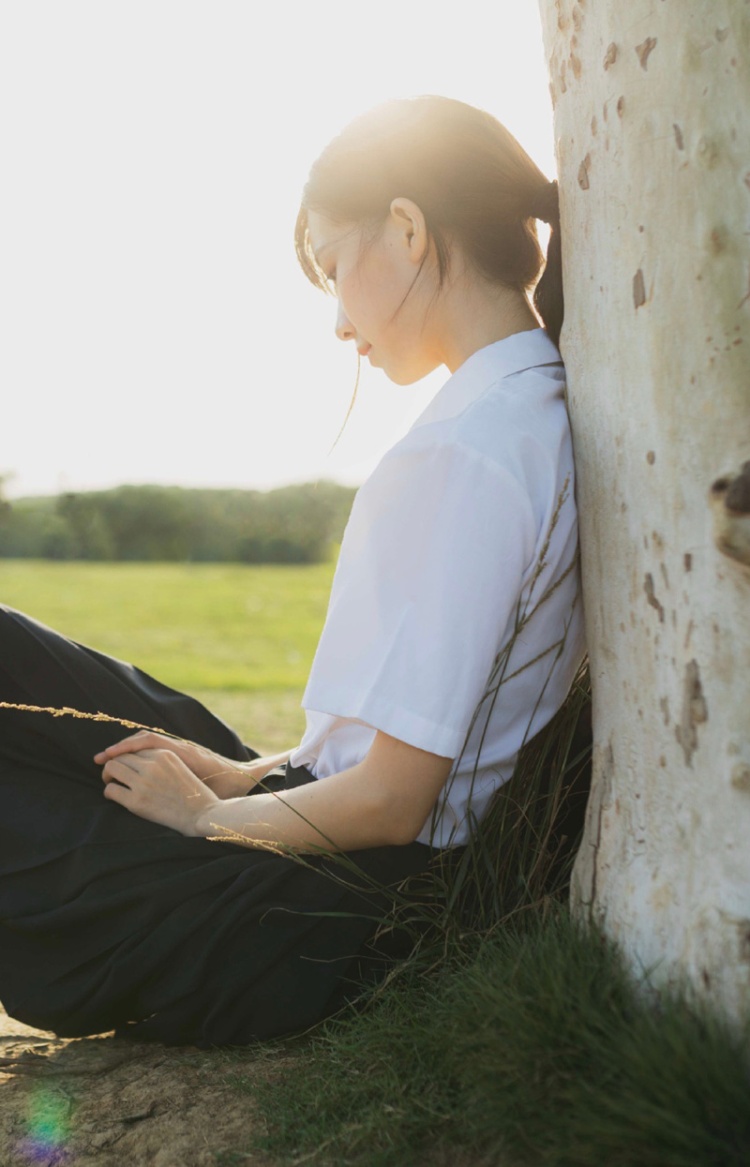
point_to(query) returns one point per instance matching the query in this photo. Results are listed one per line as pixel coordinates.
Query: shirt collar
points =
(513, 354)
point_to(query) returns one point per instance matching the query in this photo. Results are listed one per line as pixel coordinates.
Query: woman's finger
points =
(142, 740)
(120, 769)
(115, 792)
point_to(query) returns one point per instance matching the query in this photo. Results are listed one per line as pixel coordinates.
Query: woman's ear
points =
(408, 223)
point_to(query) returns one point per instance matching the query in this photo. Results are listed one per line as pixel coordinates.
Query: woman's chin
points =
(404, 376)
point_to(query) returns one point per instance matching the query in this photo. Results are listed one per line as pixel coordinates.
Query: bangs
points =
(306, 255)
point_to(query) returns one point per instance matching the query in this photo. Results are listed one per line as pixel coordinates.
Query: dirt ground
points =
(100, 1101)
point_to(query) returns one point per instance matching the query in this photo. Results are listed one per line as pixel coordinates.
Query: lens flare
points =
(47, 1130)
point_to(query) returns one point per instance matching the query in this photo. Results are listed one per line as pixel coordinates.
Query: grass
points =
(533, 1048)
(240, 638)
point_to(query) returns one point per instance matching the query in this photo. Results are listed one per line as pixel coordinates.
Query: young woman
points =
(179, 889)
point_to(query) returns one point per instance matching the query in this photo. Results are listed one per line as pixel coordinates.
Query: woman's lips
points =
(364, 350)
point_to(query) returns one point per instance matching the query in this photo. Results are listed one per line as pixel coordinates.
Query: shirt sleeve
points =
(425, 594)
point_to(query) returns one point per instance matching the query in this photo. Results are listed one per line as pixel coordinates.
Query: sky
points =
(155, 325)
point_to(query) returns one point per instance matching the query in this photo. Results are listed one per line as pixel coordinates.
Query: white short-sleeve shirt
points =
(458, 566)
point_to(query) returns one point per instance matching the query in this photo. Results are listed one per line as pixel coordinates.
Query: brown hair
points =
(469, 176)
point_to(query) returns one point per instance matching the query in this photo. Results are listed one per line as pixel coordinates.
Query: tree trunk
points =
(652, 121)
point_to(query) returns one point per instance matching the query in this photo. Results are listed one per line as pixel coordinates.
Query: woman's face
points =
(383, 289)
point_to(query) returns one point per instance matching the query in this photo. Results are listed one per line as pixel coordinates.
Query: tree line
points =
(292, 524)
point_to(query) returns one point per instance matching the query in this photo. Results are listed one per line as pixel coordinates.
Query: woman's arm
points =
(383, 800)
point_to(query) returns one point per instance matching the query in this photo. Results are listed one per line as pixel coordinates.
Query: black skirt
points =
(108, 921)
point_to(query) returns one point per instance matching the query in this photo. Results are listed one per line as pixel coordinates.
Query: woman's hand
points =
(227, 779)
(157, 785)
(204, 763)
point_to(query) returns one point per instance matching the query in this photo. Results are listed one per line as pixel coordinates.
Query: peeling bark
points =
(694, 712)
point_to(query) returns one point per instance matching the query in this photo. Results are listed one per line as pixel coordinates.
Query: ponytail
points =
(548, 294)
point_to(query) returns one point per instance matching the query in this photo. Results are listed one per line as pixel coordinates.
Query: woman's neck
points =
(474, 313)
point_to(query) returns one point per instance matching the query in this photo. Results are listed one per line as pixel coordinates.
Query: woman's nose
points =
(344, 328)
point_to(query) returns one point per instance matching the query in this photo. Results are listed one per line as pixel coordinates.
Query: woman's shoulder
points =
(516, 425)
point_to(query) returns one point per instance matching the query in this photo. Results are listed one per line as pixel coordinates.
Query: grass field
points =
(239, 638)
